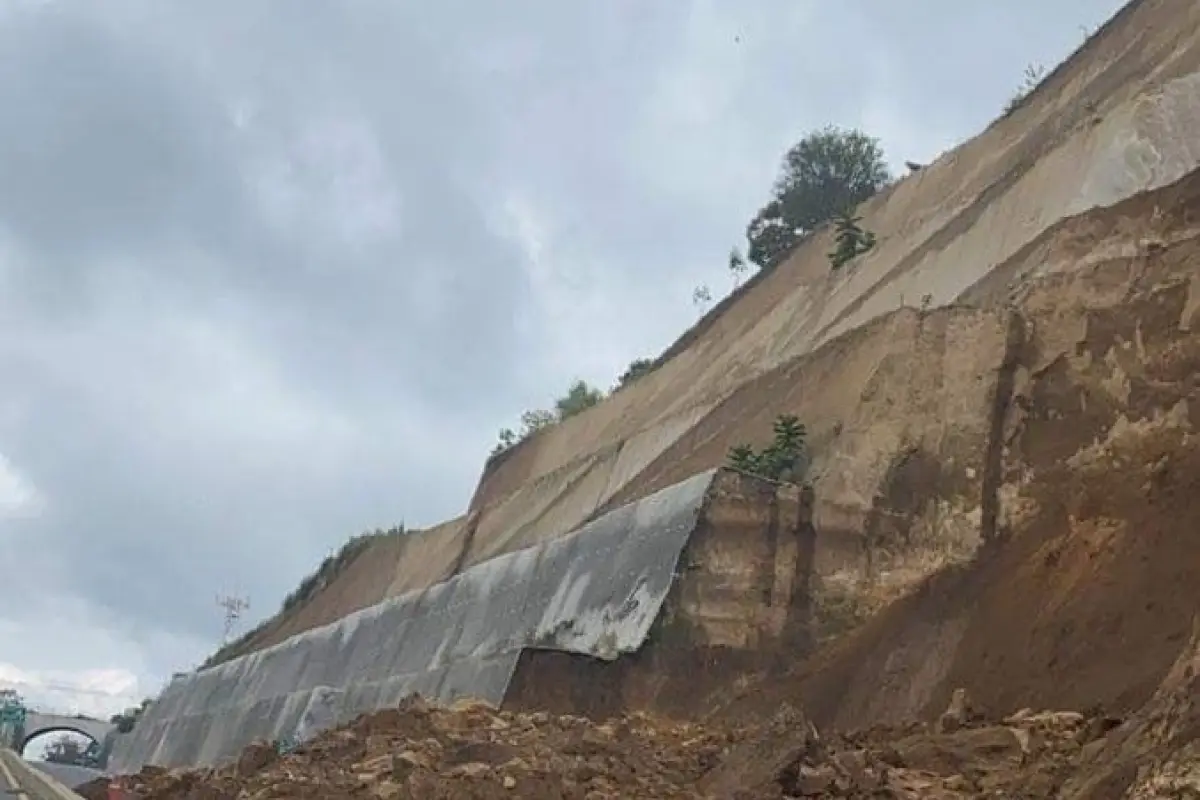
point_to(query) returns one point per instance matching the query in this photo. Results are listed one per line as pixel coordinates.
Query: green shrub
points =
(579, 397)
(1034, 73)
(785, 459)
(636, 369)
(851, 240)
(827, 171)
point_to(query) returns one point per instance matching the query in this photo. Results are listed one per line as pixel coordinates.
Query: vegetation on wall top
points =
(784, 460)
(822, 178)
(830, 172)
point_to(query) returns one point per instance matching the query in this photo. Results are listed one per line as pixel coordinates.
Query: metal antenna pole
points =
(233, 607)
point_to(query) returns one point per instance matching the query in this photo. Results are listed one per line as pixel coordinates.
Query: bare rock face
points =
(255, 758)
(957, 714)
(1156, 751)
(776, 758)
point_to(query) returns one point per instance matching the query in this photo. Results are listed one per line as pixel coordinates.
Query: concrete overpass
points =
(37, 724)
(16, 731)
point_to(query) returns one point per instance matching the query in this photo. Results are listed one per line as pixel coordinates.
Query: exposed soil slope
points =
(1084, 593)
(1076, 592)
(472, 751)
(1079, 593)
(388, 567)
(940, 231)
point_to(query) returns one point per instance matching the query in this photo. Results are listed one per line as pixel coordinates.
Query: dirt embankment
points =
(1072, 447)
(473, 751)
(1085, 593)
(938, 230)
(1023, 480)
(934, 431)
(387, 567)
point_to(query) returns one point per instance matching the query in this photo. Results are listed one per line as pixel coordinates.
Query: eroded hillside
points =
(1001, 401)
(473, 751)
(899, 364)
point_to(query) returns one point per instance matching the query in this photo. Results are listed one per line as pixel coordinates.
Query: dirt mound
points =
(470, 750)
(474, 751)
(94, 790)
(1156, 753)
(1086, 606)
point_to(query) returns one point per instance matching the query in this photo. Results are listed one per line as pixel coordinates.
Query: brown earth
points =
(1080, 597)
(798, 305)
(395, 564)
(748, 562)
(473, 751)
(1086, 607)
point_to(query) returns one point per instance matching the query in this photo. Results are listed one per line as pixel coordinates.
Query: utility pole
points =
(233, 607)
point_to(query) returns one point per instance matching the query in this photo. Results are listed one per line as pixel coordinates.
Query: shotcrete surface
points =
(595, 592)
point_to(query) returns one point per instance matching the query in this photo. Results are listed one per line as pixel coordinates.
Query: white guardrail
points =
(22, 780)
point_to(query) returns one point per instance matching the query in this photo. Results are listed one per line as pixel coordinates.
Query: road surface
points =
(68, 774)
(21, 780)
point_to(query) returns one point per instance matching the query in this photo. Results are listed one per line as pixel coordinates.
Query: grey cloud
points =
(102, 149)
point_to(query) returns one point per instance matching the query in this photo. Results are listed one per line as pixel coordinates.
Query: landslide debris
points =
(474, 751)
(469, 750)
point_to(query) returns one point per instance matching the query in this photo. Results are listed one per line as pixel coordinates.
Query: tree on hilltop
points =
(637, 368)
(578, 398)
(829, 172)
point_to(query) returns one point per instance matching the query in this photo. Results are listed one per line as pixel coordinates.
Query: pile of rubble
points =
(466, 751)
(1027, 755)
(474, 751)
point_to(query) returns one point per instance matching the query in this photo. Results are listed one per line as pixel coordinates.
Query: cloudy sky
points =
(272, 273)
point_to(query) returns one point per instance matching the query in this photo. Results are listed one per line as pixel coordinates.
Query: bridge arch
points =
(29, 738)
(41, 724)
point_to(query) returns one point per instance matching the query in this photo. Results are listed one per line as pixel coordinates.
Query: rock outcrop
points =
(1075, 596)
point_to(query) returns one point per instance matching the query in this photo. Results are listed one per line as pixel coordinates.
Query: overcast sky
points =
(272, 273)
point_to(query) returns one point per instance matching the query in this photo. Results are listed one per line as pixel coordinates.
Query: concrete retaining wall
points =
(594, 592)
